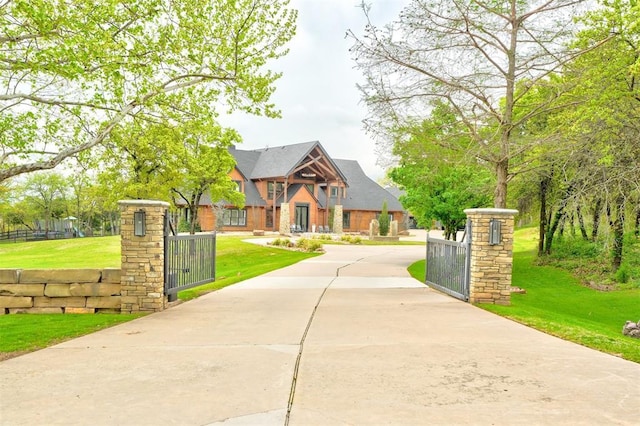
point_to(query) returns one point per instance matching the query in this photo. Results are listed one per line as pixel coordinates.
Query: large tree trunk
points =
(597, 210)
(500, 194)
(544, 189)
(558, 217)
(618, 233)
(583, 229)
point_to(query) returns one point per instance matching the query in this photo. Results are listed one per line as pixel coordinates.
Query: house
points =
(300, 185)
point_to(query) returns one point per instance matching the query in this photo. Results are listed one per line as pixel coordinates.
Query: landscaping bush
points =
(384, 220)
(351, 239)
(323, 237)
(282, 242)
(309, 245)
(185, 226)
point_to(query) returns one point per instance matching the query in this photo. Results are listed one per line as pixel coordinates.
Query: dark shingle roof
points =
(281, 160)
(245, 162)
(363, 193)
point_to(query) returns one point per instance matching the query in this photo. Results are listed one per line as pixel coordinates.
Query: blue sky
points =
(317, 93)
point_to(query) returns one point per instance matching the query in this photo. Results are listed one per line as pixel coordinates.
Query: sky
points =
(317, 93)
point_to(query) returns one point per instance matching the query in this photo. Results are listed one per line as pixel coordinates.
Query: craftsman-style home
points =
(299, 187)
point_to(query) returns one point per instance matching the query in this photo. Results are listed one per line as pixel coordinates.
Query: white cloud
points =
(317, 93)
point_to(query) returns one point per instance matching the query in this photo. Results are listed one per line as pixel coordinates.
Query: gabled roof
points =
(363, 193)
(245, 161)
(283, 161)
(292, 190)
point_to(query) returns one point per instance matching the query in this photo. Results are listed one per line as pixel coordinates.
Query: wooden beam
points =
(307, 164)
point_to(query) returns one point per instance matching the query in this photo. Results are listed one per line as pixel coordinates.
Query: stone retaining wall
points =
(59, 291)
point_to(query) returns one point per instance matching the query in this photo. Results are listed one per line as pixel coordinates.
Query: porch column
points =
(491, 255)
(285, 219)
(142, 277)
(337, 219)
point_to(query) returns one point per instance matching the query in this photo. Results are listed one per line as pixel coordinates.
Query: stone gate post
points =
(491, 255)
(142, 278)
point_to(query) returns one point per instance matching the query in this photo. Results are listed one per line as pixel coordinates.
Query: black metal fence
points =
(189, 261)
(447, 265)
(29, 235)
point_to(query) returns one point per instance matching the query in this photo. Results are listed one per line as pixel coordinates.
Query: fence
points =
(447, 265)
(189, 260)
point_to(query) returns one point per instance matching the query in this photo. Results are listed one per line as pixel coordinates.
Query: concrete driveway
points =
(347, 338)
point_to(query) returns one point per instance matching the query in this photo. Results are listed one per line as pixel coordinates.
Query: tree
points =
(46, 192)
(480, 58)
(205, 165)
(384, 220)
(74, 72)
(605, 121)
(443, 194)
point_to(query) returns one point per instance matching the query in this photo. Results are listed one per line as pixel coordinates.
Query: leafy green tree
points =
(74, 72)
(443, 194)
(470, 56)
(384, 220)
(204, 164)
(604, 122)
(46, 192)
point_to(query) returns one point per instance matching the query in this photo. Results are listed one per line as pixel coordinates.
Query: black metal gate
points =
(189, 260)
(448, 263)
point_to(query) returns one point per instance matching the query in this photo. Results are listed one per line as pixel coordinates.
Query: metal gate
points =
(189, 260)
(448, 263)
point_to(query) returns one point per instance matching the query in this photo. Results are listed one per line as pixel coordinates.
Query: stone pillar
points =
(491, 263)
(374, 229)
(285, 219)
(142, 277)
(393, 228)
(337, 219)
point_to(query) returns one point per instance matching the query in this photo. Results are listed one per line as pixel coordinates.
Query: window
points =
(309, 187)
(279, 189)
(390, 216)
(334, 192)
(234, 217)
(269, 220)
(346, 220)
(238, 185)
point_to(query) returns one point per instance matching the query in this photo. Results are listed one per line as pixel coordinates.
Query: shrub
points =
(383, 220)
(309, 245)
(351, 239)
(185, 226)
(323, 237)
(622, 274)
(282, 242)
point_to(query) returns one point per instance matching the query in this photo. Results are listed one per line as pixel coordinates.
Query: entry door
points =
(302, 216)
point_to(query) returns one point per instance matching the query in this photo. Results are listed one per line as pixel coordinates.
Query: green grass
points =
(236, 261)
(556, 303)
(95, 252)
(25, 333)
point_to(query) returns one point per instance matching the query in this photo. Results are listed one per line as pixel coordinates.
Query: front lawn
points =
(235, 261)
(558, 304)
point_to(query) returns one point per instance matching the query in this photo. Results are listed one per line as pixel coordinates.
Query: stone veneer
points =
(57, 291)
(337, 219)
(285, 219)
(491, 265)
(142, 283)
